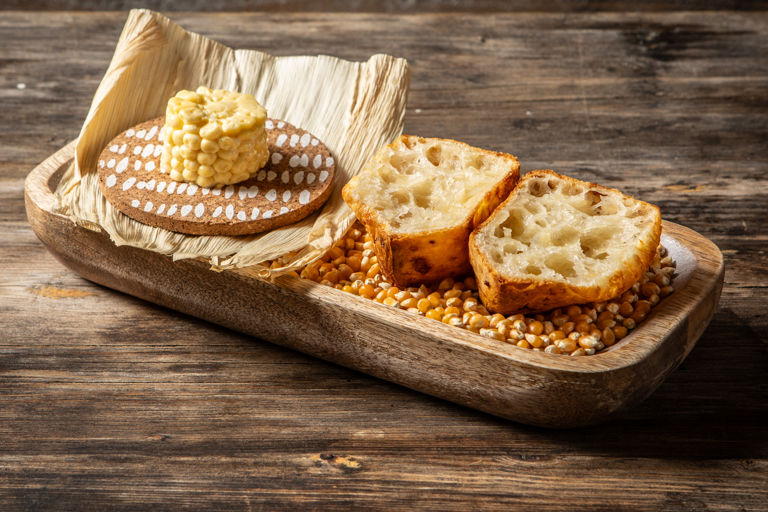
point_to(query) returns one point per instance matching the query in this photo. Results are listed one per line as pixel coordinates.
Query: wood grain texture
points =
(108, 402)
(392, 6)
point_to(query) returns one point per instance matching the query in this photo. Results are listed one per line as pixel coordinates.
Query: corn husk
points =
(353, 107)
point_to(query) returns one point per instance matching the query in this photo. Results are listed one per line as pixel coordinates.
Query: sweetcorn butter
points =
(213, 137)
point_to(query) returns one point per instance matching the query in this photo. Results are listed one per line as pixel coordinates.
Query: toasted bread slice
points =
(558, 241)
(420, 198)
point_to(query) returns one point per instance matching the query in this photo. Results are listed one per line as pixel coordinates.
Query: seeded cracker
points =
(296, 180)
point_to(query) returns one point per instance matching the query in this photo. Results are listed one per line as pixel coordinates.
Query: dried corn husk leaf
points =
(354, 107)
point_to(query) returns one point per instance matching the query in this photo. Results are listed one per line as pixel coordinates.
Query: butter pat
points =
(213, 137)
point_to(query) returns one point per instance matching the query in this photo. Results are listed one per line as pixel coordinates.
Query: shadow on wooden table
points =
(712, 406)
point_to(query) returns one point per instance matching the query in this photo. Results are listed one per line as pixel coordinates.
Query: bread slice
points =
(420, 198)
(558, 241)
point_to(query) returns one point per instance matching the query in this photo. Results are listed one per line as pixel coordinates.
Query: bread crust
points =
(429, 256)
(508, 295)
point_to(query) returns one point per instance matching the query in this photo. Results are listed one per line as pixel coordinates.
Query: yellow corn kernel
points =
(557, 335)
(625, 309)
(229, 144)
(392, 291)
(195, 129)
(504, 327)
(205, 181)
(354, 262)
(192, 165)
(588, 342)
(629, 323)
(448, 316)
(366, 291)
(209, 146)
(434, 315)
(519, 325)
(454, 302)
(535, 327)
(191, 140)
(609, 338)
(566, 345)
(642, 307)
(650, 288)
(470, 305)
(452, 311)
(534, 340)
(332, 276)
(496, 319)
(477, 322)
(345, 271)
(451, 294)
(573, 311)
(402, 295)
(491, 333)
(455, 321)
(211, 131)
(357, 276)
(582, 326)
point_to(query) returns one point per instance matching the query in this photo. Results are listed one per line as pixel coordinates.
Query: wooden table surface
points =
(108, 402)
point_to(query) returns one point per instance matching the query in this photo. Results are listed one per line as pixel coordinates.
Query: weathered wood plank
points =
(394, 6)
(139, 407)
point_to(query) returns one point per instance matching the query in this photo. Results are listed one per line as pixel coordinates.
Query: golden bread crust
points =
(428, 256)
(507, 294)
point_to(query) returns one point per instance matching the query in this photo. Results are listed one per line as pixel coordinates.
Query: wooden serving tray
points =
(450, 363)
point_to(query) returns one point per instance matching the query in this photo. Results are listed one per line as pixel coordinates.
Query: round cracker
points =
(296, 181)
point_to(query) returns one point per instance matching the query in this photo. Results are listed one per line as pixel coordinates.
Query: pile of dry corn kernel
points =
(351, 266)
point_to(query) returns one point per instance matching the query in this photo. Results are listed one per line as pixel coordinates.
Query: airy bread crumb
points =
(420, 198)
(558, 241)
